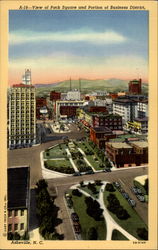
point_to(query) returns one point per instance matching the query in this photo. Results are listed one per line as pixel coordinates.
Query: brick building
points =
(54, 96)
(18, 200)
(124, 154)
(40, 103)
(113, 122)
(135, 87)
(101, 135)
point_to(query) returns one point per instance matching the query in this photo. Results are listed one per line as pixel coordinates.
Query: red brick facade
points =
(135, 87)
(101, 135)
(113, 122)
(54, 96)
(70, 111)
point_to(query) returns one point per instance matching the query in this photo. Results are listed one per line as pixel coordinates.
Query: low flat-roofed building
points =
(100, 135)
(124, 154)
(18, 199)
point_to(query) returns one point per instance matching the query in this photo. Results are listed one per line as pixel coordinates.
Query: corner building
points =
(22, 116)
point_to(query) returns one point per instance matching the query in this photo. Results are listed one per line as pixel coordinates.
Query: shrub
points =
(76, 192)
(142, 233)
(109, 187)
(92, 234)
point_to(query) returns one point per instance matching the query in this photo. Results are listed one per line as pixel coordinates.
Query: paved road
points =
(31, 156)
(62, 185)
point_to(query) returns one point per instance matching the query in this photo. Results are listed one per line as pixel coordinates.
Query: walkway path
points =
(71, 160)
(85, 159)
(111, 224)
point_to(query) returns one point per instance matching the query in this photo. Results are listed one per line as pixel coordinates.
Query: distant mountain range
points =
(110, 85)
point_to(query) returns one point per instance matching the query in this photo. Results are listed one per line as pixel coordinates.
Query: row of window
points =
(15, 213)
(15, 227)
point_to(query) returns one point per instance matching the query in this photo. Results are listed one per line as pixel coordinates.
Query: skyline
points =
(57, 45)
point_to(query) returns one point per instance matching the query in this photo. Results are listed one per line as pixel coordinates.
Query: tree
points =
(76, 192)
(142, 233)
(109, 187)
(81, 183)
(92, 233)
(98, 182)
(41, 184)
(146, 185)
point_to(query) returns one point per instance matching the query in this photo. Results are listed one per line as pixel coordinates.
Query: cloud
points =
(105, 37)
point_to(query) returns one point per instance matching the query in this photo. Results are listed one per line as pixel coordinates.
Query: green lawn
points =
(87, 221)
(86, 189)
(132, 223)
(59, 163)
(56, 152)
(90, 158)
(116, 235)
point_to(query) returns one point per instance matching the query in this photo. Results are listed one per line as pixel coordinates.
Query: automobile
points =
(108, 169)
(125, 195)
(139, 191)
(90, 172)
(132, 202)
(116, 184)
(77, 228)
(69, 203)
(104, 170)
(74, 217)
(121, 190)
(140, 198)
(77, 174)
(134, 190)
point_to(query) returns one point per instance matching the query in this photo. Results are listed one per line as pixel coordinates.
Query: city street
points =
(31, 157)
(125, 177)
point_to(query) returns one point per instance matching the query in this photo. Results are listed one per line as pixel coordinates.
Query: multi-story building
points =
(73, 95)
(18, 200)
(135, 87)
(40, 103)
(125, 107)
(124, 154)
(22, 116)
(113, 122)
(26, 78)
(142, 108)
(138, 125)
(67, 108)
(54, 96)
(101, 135)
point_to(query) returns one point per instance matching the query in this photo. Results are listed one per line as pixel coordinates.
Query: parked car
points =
(90, 172)
(74, 217)
(125, 195)
(139, 191)
(132, 202)
(116, 184)
(108, 169)
(77, 174)
(140, 198)
(134, 190)
(77, 228)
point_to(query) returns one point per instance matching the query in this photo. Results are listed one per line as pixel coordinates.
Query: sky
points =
(59, 45)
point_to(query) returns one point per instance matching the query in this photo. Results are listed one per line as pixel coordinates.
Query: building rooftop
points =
(119, 145)
(141, 144)
(144, 119)
(102, 130)
(21, 85)
(18, 187)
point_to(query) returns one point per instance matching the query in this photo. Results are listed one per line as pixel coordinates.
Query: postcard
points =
(78, 124)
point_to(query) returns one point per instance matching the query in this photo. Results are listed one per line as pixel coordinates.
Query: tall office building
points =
(26, 78)
(22, 116)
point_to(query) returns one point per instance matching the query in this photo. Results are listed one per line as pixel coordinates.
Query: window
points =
(10, 213)
(22, 212)
(15, 227)
(9, 227)
(22, 226)
(16, 213)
